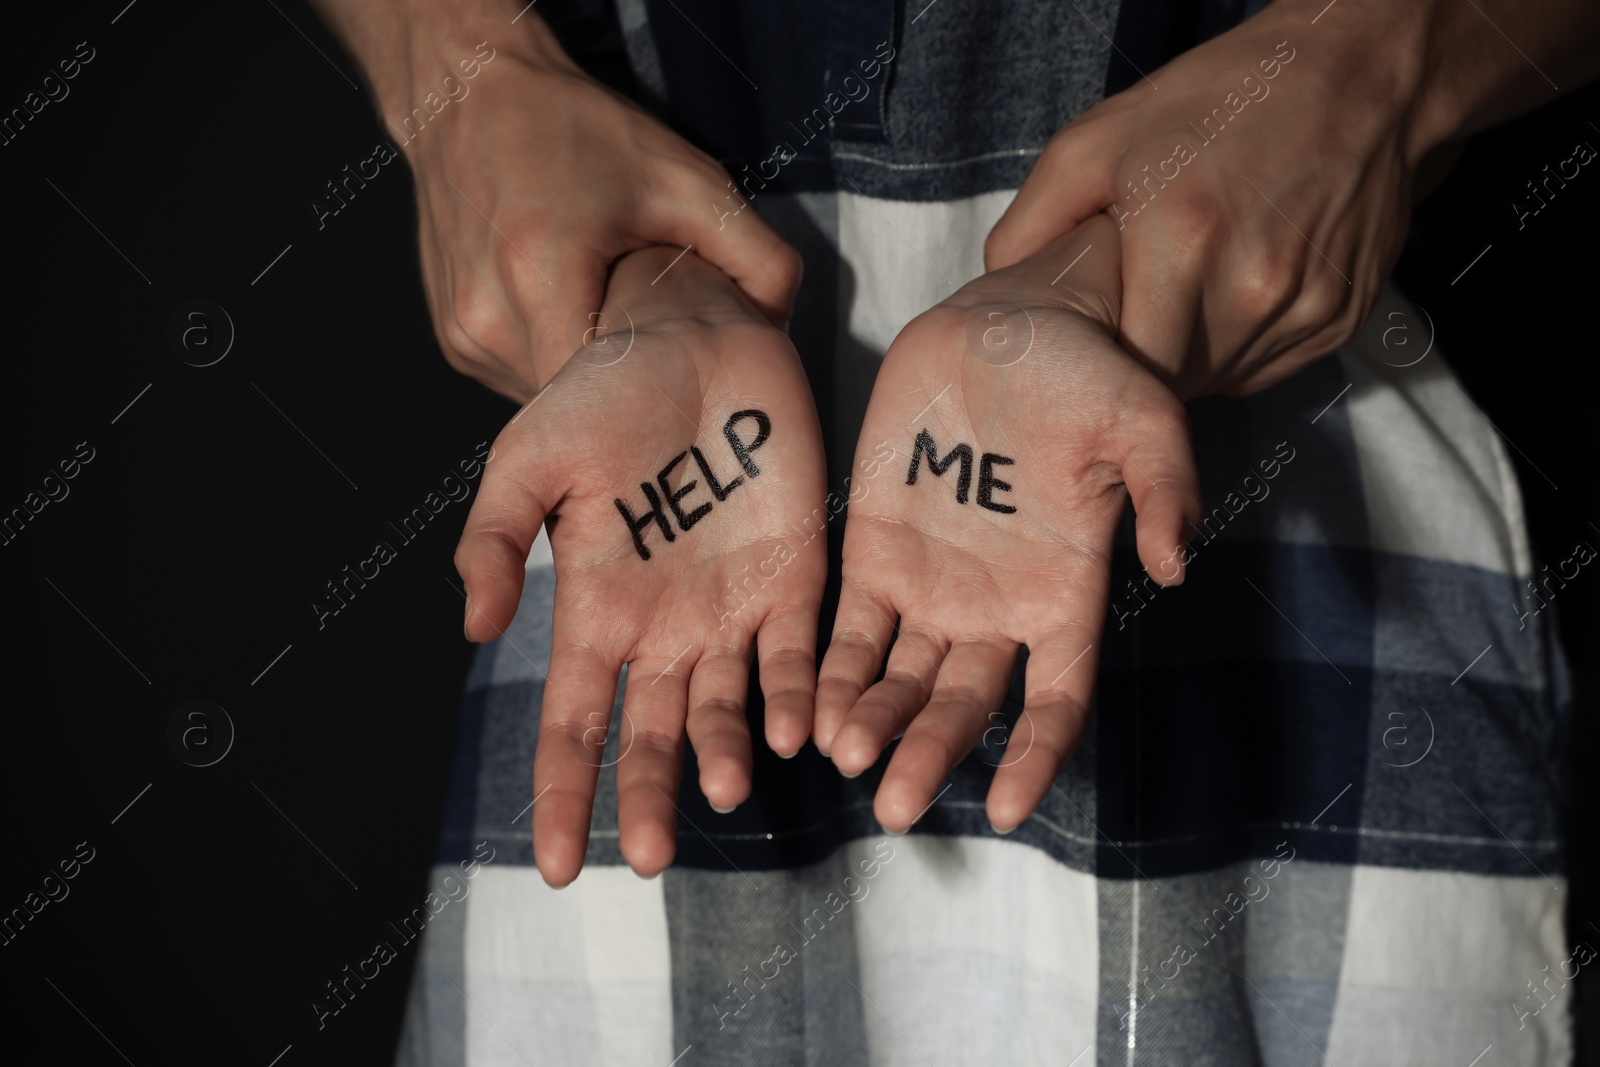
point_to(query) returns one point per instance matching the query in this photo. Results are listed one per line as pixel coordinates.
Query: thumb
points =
(519, 490)
(739, 242)
(563, 310)
(1070, 182)
(1159, 470)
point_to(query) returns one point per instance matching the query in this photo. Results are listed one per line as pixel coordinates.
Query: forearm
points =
(1491, 60)
(406, 45)
(1453, 67)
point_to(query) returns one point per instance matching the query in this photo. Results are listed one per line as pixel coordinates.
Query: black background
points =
(188, 551)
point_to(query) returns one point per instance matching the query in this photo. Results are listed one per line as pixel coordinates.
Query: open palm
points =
(1020, 428)
(675, 461)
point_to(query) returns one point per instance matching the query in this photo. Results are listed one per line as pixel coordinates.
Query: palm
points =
(972, 568)
(675, 461)
(1026, 427)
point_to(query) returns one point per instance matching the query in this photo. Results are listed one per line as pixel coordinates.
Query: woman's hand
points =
(1019, 429)
(1264, 179)
(1262, 190)
(677, 462)
(532, 179)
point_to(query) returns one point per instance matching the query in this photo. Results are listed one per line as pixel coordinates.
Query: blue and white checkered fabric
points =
(1317, 816)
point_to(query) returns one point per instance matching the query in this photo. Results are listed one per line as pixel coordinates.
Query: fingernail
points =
(999, 831)
(467, 618)
(895, 833)
(847, 774)
(721, 811)
(649, 877)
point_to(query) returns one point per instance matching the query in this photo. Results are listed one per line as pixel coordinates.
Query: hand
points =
(1017, 424)
(532, 178)
(676, 461)
(1263, 192)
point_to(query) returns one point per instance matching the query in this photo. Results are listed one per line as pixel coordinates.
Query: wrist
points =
(1463, 67)
(1457, 77)
(1375, 63)
(407, 48)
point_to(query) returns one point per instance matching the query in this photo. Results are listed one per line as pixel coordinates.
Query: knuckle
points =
(1195, 228)
(1323, 303)
(455, 353)
(787, 655)
(1265, 285)
(476, 321)
(489, 537)
(468, 312)
(788, 694)
(658, 741)
(513, 258)
(787, 661)
(959, 695)
(911, 678)
(855, 642)
(572, 731)
(722, 710)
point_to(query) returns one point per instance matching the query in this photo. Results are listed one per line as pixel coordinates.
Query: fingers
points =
(1082, 269)
(557, 304)
(1159, 470)
(972, 682)
(483, 332)
(1060, 678)
(463, 354)
(717, 726)
(511, 290)
(1327, 313)
(573, 724)
(787, 644)
(1252, 291)
(861, 631)
(1162, 279)
(1071, 181)
(1276, 367)
(885, 710)
(519, 489)
(647, 778)
(663, 282)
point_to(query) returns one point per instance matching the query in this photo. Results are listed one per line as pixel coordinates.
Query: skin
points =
(530, 189)
(957, 587)
(1267, 251)
(696, 352)
(531, 186)
(1260, 255)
